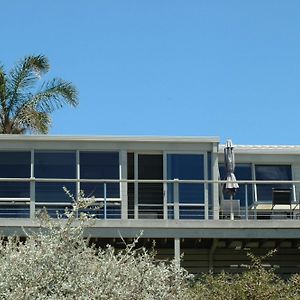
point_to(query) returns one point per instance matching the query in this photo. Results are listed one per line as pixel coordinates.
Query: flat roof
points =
(169, 139)
(263, 149)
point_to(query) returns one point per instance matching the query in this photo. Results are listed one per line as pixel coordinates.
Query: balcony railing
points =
(157, 199)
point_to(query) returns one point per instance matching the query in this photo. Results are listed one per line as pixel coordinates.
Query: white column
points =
(77, 174)
(177, 250)
(123, 185)
(176, 198)
(32, 187)
(136, 187)
(215, 176)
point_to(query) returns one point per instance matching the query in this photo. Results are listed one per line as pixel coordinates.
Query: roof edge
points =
(104, 138)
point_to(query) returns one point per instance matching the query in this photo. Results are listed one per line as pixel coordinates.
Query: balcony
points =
(152, 199)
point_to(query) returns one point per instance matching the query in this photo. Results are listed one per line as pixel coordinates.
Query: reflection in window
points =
(100, 165)
(188, 167)
(242, 172)
(271, 172)
(14, 165)
(55, 164)
(14, 189)
(53, 191)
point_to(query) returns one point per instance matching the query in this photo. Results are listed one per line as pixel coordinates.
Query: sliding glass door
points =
(187, 200)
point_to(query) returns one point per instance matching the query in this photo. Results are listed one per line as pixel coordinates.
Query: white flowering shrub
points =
(256, 283)
(59, 263)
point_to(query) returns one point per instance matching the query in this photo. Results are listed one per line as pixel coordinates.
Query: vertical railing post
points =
(32, 197)
(246, 201)
(32, 187)
(255, 200)
(176, 198)
(123, 185)
(105, 202)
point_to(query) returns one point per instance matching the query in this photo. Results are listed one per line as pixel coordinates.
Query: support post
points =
(215, 177)
(211, 255)
(123, 185)
(176, 198)
(77, 175)
(246, 202)
(32, 186)
(136, 186)
(177, 250)
(105, 202)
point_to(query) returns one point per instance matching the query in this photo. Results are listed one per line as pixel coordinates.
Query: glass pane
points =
(189, 167)
(113, 211)
(191, 212)
(60, 164)
(14, 190)
(96, 189)
(242, 172)
(53, 191)
(151, 212)
(150, 166)
(99, 165)
(16, 210)
(271, 172)
(15, 164)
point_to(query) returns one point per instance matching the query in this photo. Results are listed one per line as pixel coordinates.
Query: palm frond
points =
(2, 88)
(24, 75)
(53, 95)
(29, 119)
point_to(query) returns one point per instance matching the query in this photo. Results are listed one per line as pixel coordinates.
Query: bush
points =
(257, 283)
(59, 263)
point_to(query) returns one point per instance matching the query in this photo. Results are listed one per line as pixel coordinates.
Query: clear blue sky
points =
(200, 68)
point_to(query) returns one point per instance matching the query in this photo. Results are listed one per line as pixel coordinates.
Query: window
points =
(14, 165)
(58, 164)
(54, 164)
(100, 165)
(189, 167)
(271, 172)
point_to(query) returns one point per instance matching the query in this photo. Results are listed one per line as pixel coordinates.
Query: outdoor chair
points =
(281, 202)
(282, 198)
(226, 209)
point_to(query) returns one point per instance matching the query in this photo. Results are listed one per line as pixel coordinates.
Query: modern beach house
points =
(170, 188)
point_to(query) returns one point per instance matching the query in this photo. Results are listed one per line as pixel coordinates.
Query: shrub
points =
(58, 263)
(256, 283)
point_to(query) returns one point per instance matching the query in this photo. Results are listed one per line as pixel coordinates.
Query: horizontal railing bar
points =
(188, 204)
(14, 199)
(71, 180)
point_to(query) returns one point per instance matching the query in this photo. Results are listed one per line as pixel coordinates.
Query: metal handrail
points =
(202, 181)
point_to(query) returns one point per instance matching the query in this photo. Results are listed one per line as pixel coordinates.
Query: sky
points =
(167, 67)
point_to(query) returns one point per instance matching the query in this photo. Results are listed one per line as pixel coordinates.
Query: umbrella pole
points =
(231, 208)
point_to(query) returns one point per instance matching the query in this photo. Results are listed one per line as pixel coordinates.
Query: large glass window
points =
(150, 195)
(271, 172)
(242, 172)
(54, 164)
(14, 164)
(100, 165)
(186, 167)
(60, 164)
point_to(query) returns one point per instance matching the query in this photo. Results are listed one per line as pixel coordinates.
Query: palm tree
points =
(26, 108)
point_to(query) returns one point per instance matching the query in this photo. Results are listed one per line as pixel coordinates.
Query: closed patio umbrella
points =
(231, 185)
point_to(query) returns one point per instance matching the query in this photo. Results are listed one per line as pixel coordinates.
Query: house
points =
(168, 187)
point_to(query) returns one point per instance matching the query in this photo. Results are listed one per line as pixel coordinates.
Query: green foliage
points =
(256, 283)
(24, 107)
(59, 263)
